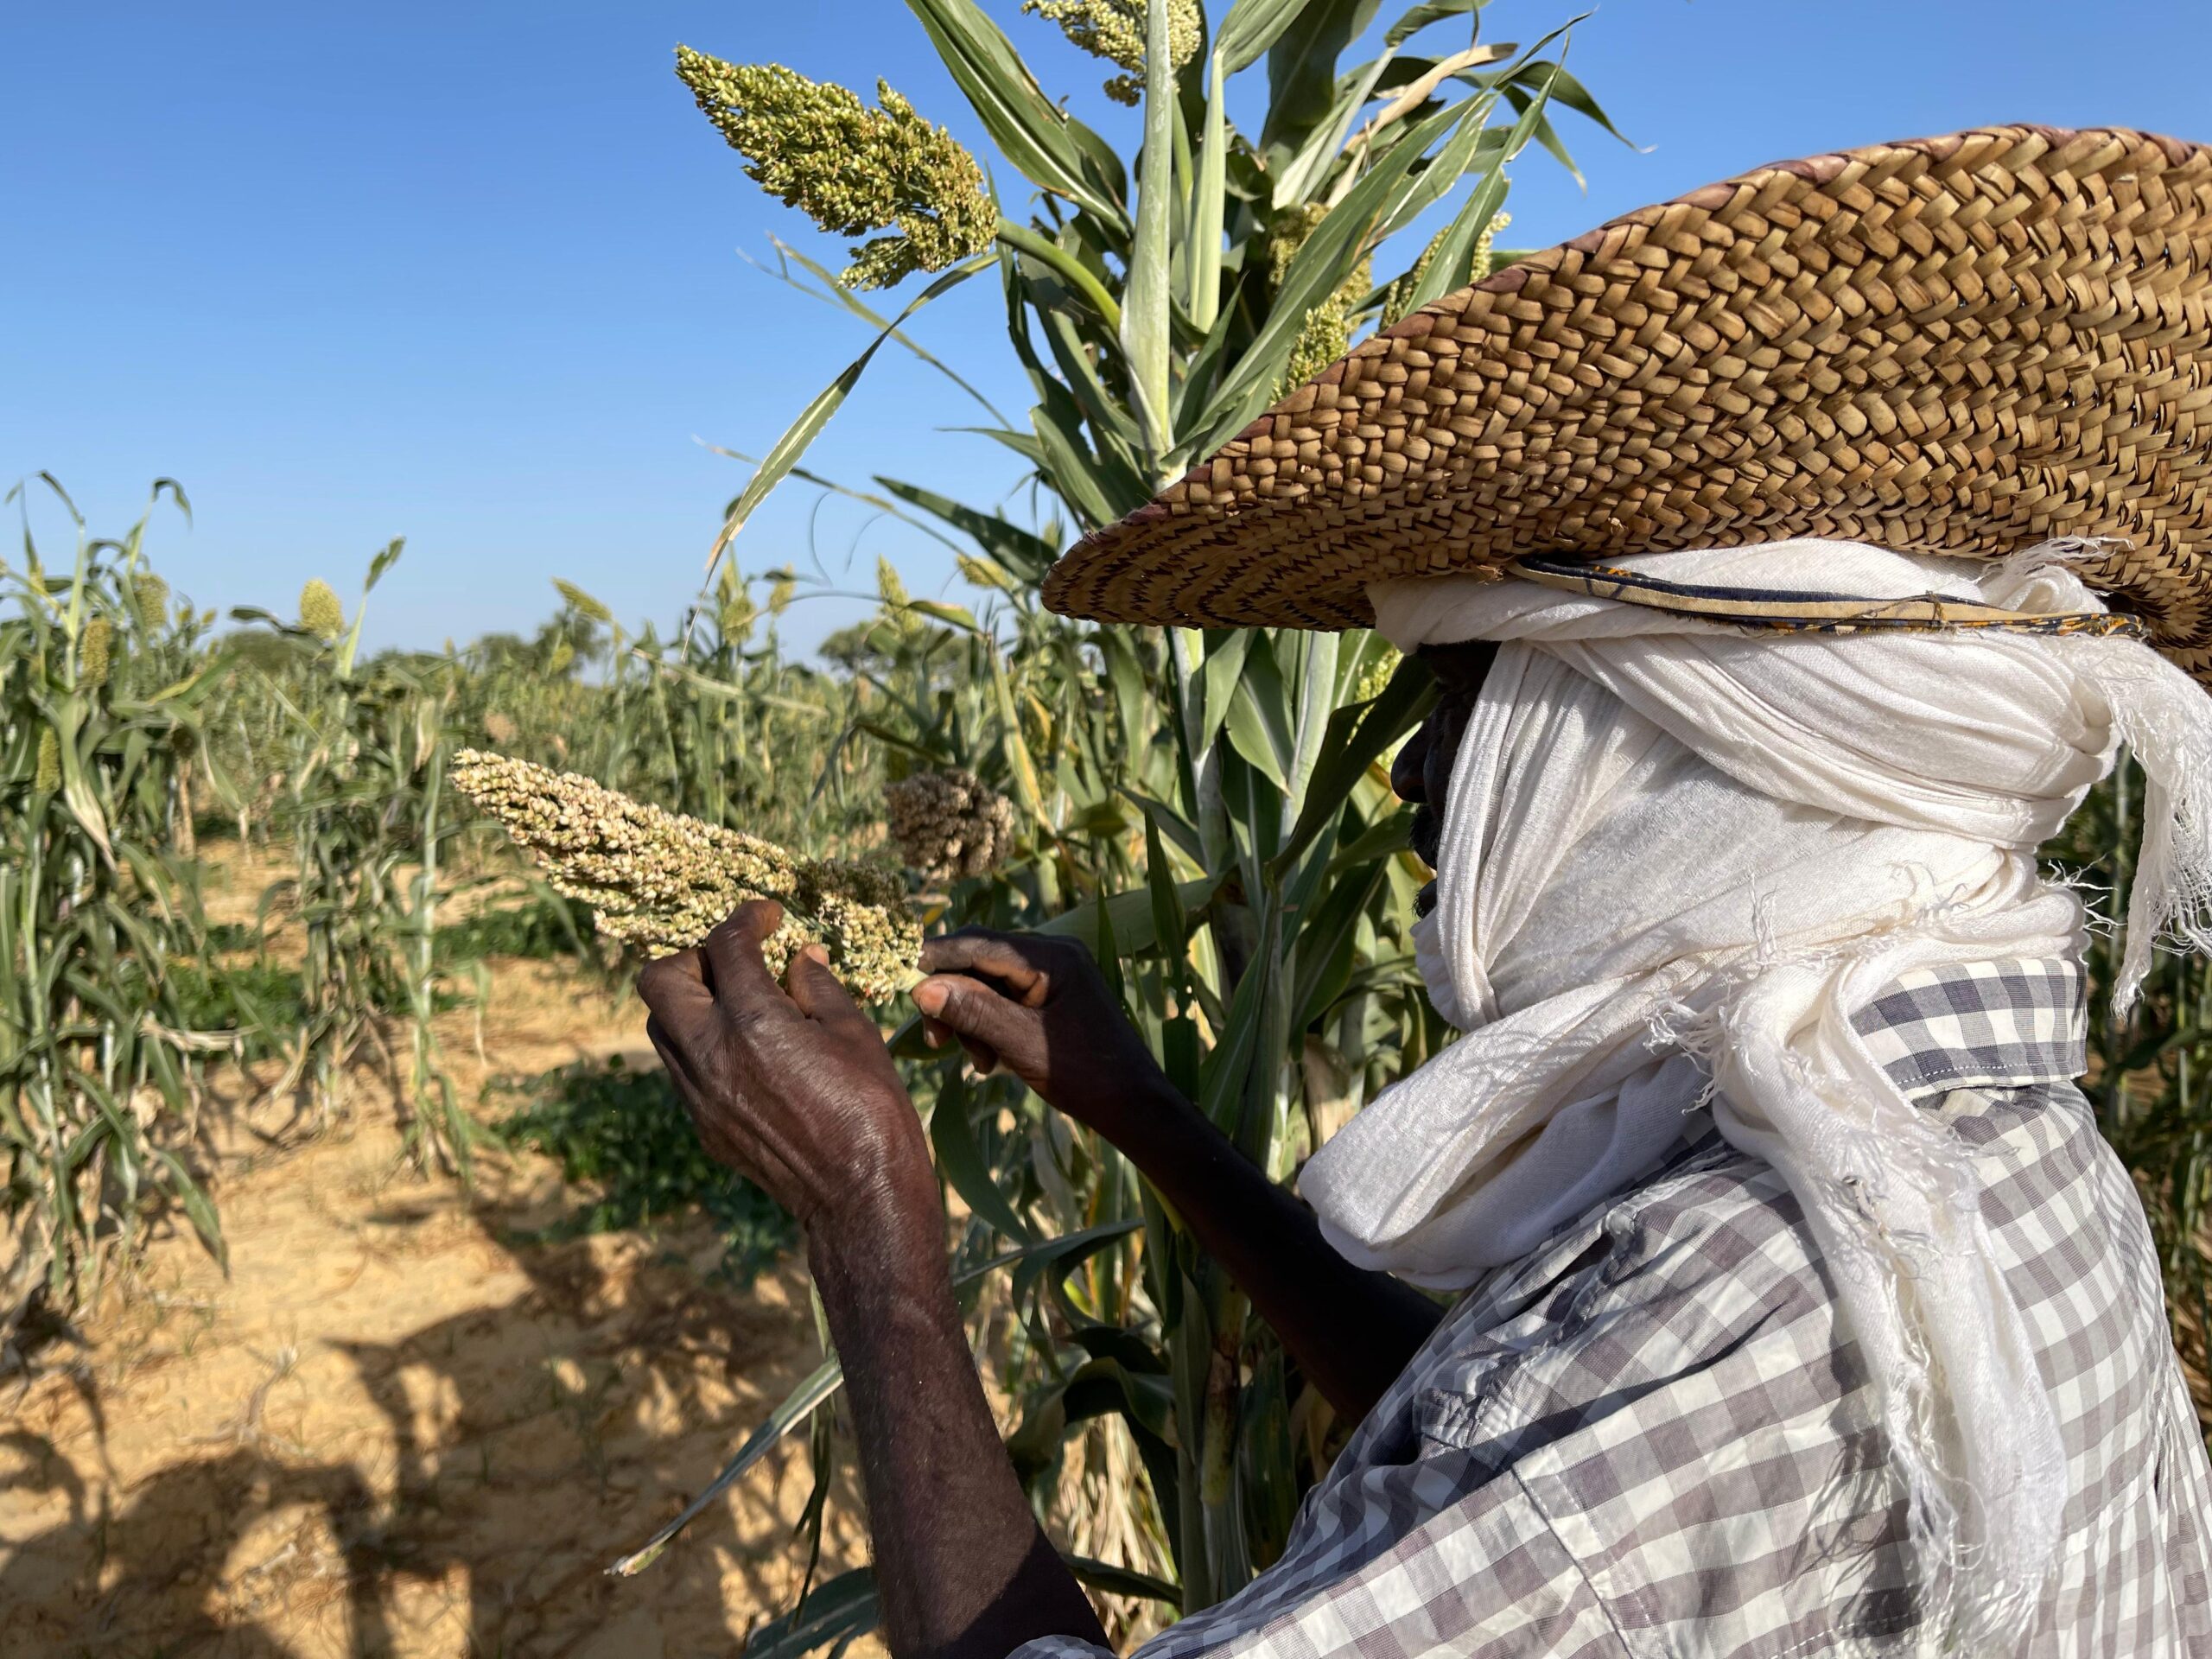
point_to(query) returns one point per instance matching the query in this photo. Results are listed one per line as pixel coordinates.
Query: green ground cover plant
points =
(619, 1135)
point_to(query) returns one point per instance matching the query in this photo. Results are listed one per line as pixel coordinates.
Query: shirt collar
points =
(2005, 1023)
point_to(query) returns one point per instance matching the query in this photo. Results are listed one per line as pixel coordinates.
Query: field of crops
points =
(268, 975)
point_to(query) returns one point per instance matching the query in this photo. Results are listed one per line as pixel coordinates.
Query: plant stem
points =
(1144, 322)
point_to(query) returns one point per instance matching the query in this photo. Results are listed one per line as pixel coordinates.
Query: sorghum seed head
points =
(950, 823)
(151, 595)
(663, 881)
(850, 168)
(95, 648)
(46, 775)
(1327, 333)
(1115, 30)
(1381, 667)
(321, 614)
(1397, 299)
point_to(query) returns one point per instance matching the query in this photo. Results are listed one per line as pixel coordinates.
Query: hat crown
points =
(1962, 345)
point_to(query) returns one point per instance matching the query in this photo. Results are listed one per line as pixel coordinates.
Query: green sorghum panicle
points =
(95, 650)
(1397, 299)
(1115, 30)
(151, 595)
(663, 881)
(46, 776)
(949, 824)
(1326, 334)
(1377, 674)
(321, 614)
(850, 168)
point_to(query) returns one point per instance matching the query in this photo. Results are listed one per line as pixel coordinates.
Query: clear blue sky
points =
(471, 273)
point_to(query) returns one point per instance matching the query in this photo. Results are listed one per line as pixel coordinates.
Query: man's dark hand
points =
(794, 1091)
(1039, 1006)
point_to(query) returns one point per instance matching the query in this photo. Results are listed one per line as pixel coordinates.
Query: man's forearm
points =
(1351, 1331)
(961, 1568)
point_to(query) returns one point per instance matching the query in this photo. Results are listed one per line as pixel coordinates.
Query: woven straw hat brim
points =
(1963, 345)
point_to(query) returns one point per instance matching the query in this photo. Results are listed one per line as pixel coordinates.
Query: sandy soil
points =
(396, 1429)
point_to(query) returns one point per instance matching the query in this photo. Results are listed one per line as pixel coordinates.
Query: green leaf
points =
(802, 432)
(1219, 675)
(1464, 149)
(1032, 132)
(961, 1161)
(1172, 825)
(837, 1614)
(834, 291)
(197, 1206)
(1420, 17)
(1260, 724)
(1356, 738)
(1451, 266)
(1026, 554)
(1052, 1259)
(1319, 268)
(1208, 203)
(1563, 88)
(1134, 931)
(1325, 938)
(1168, 912)
(1146, 1398)
(1389, 835)
(1017, 747)
(1250, 28)
(1222, 1078)
(1074, 476)
(1302, 65)
(954, 616)
(796, 1408)
(384, 562)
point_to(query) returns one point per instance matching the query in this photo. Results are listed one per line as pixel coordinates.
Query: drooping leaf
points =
(802, 432)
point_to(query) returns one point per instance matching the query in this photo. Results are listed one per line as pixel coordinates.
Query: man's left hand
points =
(794, 1090)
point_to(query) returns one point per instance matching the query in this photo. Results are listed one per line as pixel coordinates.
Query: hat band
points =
(1783, 612)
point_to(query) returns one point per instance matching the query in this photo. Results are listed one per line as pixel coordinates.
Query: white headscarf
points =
(1672, 849)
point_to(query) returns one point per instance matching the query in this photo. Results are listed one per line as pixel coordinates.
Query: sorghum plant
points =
(1226, 783)
(100, 693)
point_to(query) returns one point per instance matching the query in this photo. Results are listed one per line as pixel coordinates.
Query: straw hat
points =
(1963, 345)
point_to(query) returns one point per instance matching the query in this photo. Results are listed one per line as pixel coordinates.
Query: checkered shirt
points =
(1652, 1438)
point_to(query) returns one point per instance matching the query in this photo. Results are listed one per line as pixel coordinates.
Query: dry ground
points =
(396, 1429)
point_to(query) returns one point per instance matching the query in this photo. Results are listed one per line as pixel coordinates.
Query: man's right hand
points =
(1039, 1006)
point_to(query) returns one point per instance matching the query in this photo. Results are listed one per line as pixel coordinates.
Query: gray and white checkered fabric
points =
(1651, 1437)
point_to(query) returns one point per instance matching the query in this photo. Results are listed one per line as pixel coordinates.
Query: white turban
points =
(1677, 857)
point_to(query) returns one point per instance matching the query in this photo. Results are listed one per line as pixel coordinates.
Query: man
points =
(1806, 1313)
